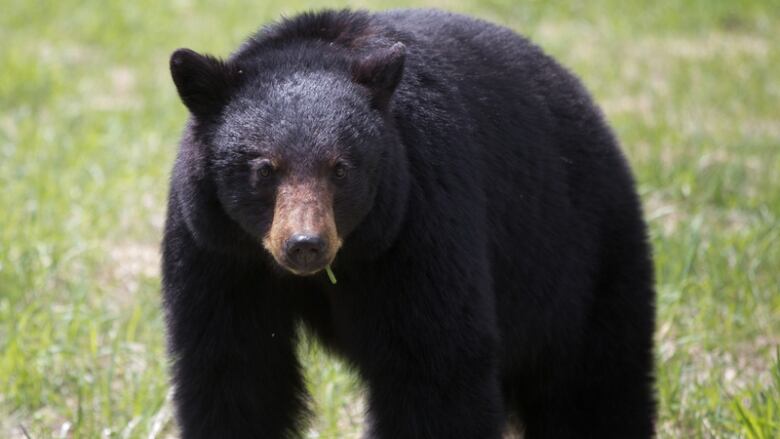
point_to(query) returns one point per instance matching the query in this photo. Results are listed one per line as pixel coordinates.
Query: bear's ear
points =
(204, 82)
(381, 72)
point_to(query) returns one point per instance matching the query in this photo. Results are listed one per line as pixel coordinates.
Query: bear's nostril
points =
(304, 250)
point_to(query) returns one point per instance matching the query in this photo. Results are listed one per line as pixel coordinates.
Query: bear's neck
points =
(379, 230)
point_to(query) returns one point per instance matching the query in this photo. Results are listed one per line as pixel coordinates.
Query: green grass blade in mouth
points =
(331, 276)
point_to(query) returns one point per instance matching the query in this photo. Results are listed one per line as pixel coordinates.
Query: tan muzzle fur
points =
(303, 207)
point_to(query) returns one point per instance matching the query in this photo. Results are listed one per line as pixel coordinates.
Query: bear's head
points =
(295, 149)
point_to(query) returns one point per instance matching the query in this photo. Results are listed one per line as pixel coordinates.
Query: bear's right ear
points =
(204, 82)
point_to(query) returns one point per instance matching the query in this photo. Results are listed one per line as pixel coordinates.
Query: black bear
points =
(435, 199)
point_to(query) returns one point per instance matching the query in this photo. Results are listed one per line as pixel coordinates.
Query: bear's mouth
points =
(303, 254)
(305, 269)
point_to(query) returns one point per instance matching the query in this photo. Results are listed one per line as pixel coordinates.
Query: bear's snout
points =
(305, 252)
(303, 237)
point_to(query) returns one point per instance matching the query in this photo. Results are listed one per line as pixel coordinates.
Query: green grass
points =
(89, 122)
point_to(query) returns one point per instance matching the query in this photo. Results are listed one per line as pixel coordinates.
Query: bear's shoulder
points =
(359, 30)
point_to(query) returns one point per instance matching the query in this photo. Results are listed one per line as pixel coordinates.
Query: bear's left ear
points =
(204, 83)
(381, 72)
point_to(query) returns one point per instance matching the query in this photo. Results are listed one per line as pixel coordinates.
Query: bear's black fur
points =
(491, 255)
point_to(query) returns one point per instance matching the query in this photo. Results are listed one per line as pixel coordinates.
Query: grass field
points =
(89, 122)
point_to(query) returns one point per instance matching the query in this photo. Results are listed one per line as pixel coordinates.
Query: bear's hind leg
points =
(609, 393)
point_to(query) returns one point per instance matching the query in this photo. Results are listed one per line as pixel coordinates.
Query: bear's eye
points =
(264, 169)
(340, 170)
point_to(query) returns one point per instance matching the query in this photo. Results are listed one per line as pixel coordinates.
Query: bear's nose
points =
(305, 251)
